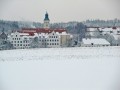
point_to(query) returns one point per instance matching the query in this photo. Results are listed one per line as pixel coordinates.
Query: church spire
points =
(46, 16)
(46, 21)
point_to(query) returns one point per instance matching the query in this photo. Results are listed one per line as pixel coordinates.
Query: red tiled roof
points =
(41, 30)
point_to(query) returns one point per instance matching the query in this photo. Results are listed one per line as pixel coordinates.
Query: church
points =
(41, 37)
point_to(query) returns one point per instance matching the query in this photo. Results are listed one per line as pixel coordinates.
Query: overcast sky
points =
(59, 10)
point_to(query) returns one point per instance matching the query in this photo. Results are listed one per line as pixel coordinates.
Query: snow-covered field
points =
(82, 68)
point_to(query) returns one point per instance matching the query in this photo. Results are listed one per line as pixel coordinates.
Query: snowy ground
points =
(60, 69)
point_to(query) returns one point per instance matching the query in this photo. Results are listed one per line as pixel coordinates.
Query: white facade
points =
(94, 42)
(51, 40)
(45, 40)
(20, 40)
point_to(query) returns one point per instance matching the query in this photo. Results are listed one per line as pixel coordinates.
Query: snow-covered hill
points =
(95, 68)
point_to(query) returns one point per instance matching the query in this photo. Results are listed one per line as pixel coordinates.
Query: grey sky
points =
(59, 10)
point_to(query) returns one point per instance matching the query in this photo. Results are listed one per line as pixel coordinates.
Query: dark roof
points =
(46, 16)
(3, 36)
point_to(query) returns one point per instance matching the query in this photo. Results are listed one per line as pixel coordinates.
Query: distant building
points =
(40, 37)
(94, 42)
(20, 40)
(4, 43)
(3, 39)
(111, 34)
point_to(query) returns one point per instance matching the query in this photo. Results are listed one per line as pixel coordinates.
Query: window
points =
(18, 41)
(111, 31)
(13, 38)
(91, 43)
(16, 35)
(14, 41)
(20, 44)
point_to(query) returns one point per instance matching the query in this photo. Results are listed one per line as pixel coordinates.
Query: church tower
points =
(46, 21)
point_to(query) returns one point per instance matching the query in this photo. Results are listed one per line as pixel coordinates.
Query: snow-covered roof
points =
(106, 29)
(109, 29)
(95, 41)
(23, 34)
(116, 37)
(92, 29)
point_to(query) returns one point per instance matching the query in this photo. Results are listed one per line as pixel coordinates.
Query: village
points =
(47, 37)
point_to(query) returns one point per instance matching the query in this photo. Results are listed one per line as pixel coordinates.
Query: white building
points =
(50, 40)
(41, 39)
(94, 42)
(20, 40)
(110, 30)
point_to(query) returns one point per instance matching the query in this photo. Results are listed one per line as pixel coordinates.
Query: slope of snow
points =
(93, 68)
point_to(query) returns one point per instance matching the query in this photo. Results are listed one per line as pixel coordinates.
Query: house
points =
(3, 40)
(94, 42)
(20, 40)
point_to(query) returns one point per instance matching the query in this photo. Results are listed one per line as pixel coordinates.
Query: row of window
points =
(19, 38)
(49, 36)
(110, 31)
(49, 40)
(53, 36)
(20, 42)
(15, 38)
(21, 45)
(50, 43)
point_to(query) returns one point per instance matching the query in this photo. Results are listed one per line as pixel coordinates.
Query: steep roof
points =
(3, 36)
